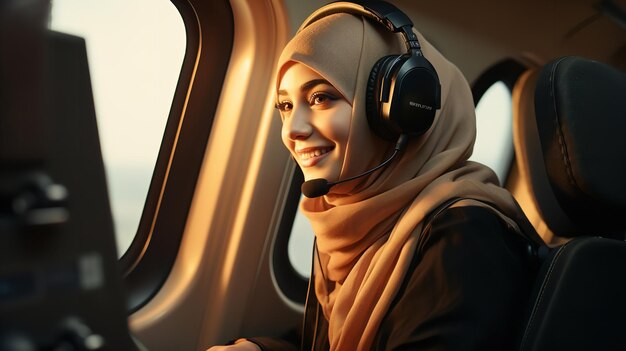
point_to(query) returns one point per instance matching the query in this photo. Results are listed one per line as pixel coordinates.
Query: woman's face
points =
(316, 122)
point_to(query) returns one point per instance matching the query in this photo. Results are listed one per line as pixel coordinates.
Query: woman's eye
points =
(284, 106)
(320, 99)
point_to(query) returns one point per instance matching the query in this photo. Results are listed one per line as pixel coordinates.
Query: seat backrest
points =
(573, 150)
(528, 152)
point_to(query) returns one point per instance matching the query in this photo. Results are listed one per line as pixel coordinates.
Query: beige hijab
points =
(367, 229)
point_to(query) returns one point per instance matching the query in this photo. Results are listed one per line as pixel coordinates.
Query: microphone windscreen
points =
(315, 187)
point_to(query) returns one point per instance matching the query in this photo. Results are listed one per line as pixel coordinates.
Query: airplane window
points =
(494, 133)
(300, 246)
(135, 49)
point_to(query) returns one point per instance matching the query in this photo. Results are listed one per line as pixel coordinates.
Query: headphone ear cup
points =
(416, 97)
(377, 122)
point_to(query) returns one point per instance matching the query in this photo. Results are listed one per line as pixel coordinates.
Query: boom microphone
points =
(320, 186)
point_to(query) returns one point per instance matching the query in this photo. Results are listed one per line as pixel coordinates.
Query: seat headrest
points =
(580, 109)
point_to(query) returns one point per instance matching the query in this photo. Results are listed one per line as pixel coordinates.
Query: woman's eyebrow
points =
(310, 84)
(307, 86)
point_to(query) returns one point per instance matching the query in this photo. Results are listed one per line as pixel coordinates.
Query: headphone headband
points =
(382, 12)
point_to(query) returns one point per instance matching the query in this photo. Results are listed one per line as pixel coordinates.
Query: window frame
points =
(150, 258)
(289, 281)
(506, 71)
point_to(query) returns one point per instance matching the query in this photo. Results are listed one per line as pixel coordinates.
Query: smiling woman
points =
(427, 238)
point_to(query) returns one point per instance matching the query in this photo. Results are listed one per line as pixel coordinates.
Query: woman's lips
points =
(310, 156)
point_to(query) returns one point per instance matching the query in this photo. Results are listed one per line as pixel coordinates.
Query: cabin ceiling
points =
(477, 34)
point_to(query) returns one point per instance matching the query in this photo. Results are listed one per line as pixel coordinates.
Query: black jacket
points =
(466, 289)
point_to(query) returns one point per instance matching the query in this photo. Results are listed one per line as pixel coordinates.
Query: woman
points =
(425, 253)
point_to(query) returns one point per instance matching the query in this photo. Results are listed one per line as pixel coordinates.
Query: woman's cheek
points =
(340, 125)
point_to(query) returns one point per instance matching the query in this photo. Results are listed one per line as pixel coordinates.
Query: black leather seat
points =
(575, 153)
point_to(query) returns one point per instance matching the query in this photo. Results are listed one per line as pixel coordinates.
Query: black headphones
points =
(403, 91)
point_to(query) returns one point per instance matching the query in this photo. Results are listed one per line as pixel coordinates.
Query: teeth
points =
(314, 153)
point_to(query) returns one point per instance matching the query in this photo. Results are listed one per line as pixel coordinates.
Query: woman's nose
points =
(298, 125)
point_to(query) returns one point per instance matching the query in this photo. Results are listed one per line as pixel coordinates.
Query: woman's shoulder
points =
(465, 284)
(472, 227)
(466, 217)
